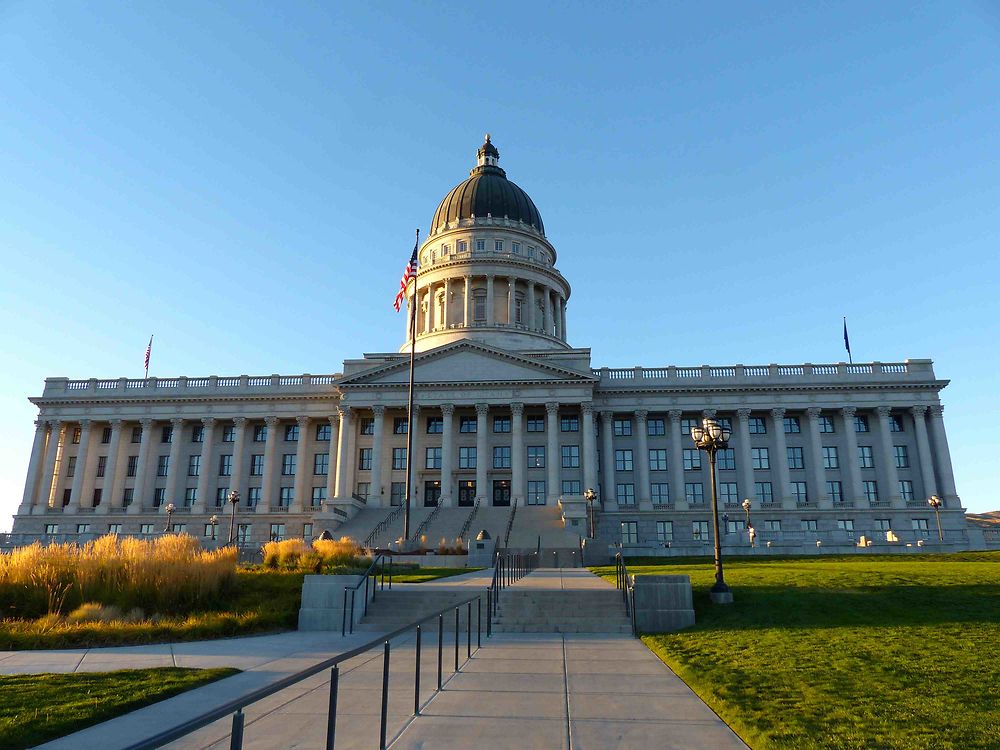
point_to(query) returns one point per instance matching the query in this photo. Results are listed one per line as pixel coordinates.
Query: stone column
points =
(57, 434)
(549, 314)
(553, 460)
(942, 455)
(80, 473)
(557, 314)
(887, 462)
(174, 469)
(482, 449)
(428, 308)
(511, 284)
(607, 456)
(333, 463)
(269, 482)
(924, 450)
(530, 304)
(343, 452)
(490, 315)
(444, 307)
(418, 459)
(238, 480)
(589, 446)
(518, 459)
(31, 482)
(853, 492)
(467, 307)
(209, 471)
(744, 462)
(447, 454)
(779, 461)
(642, 492)
(378, 433)
(111, 491)
(562, 318)
(816, 469)
(676, 461)
(302, 470)
(142, 469)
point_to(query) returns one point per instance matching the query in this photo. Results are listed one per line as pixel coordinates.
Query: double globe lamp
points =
(711, 437)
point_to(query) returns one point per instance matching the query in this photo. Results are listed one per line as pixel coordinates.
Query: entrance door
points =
(432, 493)
(501, 492)
(467, 493)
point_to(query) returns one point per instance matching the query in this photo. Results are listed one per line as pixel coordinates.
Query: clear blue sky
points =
(722, 184)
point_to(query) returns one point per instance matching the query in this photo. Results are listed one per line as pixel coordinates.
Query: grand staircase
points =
(527, 609)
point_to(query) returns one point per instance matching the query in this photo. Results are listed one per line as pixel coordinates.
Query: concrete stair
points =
(361, 524)
(547, 611)
(394, 530)
(532, 522)
(446, 524)
(390, 610)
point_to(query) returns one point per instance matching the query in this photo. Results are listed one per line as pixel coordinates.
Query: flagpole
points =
(149, 350)
(410, 426)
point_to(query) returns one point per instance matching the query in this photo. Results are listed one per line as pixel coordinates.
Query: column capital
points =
(334, 420)
(709, 413)
(53, 424)
(116, 424)
(813, 412)
(778, 413)
(208, 421)
(641, 415)
(146, 423)
(936, 410)
(271, 422)
(237, 421)
(41, 425)
(517, 409)
(378, 410)
(302, 422)
(447, 410)
(416, 410)
(587, 407)
(606, 415)
(743, 415)
(675, 415)
(552, 407)
(918, 411)
(482, 410)
(85, 423)
(344, 412)
(849, 411)
(176, 423)
(883, 411)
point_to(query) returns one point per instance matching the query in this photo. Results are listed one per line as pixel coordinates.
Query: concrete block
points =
(663, 603)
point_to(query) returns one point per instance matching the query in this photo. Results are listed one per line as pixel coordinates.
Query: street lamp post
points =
(214, 521)
(712, 437)
(746, 507)
(935, 502)
(170, 512)
(234, 500)
(590, 496)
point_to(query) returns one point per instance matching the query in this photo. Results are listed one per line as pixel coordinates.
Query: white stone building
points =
(508, 412)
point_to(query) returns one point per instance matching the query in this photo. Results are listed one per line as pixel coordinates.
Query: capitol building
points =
(512, 425)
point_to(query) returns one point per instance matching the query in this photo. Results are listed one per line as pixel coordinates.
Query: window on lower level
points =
(699, 531)
(664, 531)
(694, 493)
(623, 460)
(800, 493)
(906, 490)
(835, 491)
(571, 487)
(795, 458)
(625, 493)
(870, 488)
(630, 532)
(660, 493)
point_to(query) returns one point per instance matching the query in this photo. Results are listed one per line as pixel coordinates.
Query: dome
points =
(487, 191)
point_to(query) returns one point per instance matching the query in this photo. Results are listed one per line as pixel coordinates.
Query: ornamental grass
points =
(322, 555)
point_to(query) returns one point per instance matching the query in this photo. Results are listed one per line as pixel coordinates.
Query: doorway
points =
(466, 493)
(501, 492)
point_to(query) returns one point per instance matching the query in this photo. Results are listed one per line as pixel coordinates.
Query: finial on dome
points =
(487, 137)
(487, 154)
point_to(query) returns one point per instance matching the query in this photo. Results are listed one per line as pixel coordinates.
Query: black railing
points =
(382, 526)
(510, 523)
(468, 521)
(626, 584)
(375, 578)
(507, 570)
(425, 523)
(236, 707)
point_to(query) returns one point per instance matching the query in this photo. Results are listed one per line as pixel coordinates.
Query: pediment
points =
(467, 363)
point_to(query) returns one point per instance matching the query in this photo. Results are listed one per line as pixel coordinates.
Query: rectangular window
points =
(162, 465)
(432, 458)
(257, 465)
(883, 524)
(102, 465)
(902, 456)
(871, 490)
(128, 494)
(699, 531)
(656, 427)
(166, 434)
(285, 496)
(657, 459)
(536, 456)
(692, 459)
(846, 525)
(860, 423)
(795, 458)
(536, 493)
(467, 425)
(132, 467)
(792, 425)
(906, 490)
(735, 527)
(229, 434)
(501, 457)
(865, 458)
(571, 487)
(830, 458)
(728, 493)
(198, 434)
(277, 532)
(826, 424)
(321, 464)
(400, 425)
(536, 424)
(480, 246)
(625, 493)
(71, 466)
(220, 497)
(687, 424)
(364, 489)
(836, 491)
(800, 493)
(501, 424)
(399, 458)
(366, 425)
(630, 532)
(288, 465)
(622, 427)
(226, 465)
(895, 423)
(467, 458)
(570, 455)
(479, 307)
(772, 525)
(146, 528)
(569, 424)
(323, 432)
(365, 459)
(159, 497)
(253, 497)
(291, 433)
(318, 496)
(435, 425)
(397, 493)
(664, 531)
(726, 459)
(137, 434)
(809, 524)
(51, 528)
(498, 246)
(194, 466)
(114, 528)
(758, 426)
(920, 527)
(694, 493)
(623, 460)
(67, 493)
(105, 436)
(660, 493)
(190, 496)
(515, 247)
(260, 433)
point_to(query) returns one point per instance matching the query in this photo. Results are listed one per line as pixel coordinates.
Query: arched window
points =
(479, 306)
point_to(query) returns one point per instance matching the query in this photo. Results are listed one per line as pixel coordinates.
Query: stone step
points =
(599, 627)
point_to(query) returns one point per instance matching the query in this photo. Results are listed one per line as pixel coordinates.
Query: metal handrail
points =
(425, 523)
(236, 706)
(507, 570)
(468, 521)
(380, 585)
(626, 584)
(510, 523)
(382, 525)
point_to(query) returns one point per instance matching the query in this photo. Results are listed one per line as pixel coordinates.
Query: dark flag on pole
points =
(847, 343)
(149, 349)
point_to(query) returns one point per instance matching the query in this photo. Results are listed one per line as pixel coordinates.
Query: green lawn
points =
(846, 651)
(39, 707)
(423, 575)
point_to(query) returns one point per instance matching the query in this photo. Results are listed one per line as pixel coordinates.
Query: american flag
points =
(149, 348)
(408, 273)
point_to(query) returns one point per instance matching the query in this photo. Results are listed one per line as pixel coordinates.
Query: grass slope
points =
(39, 707)
(846, 652)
